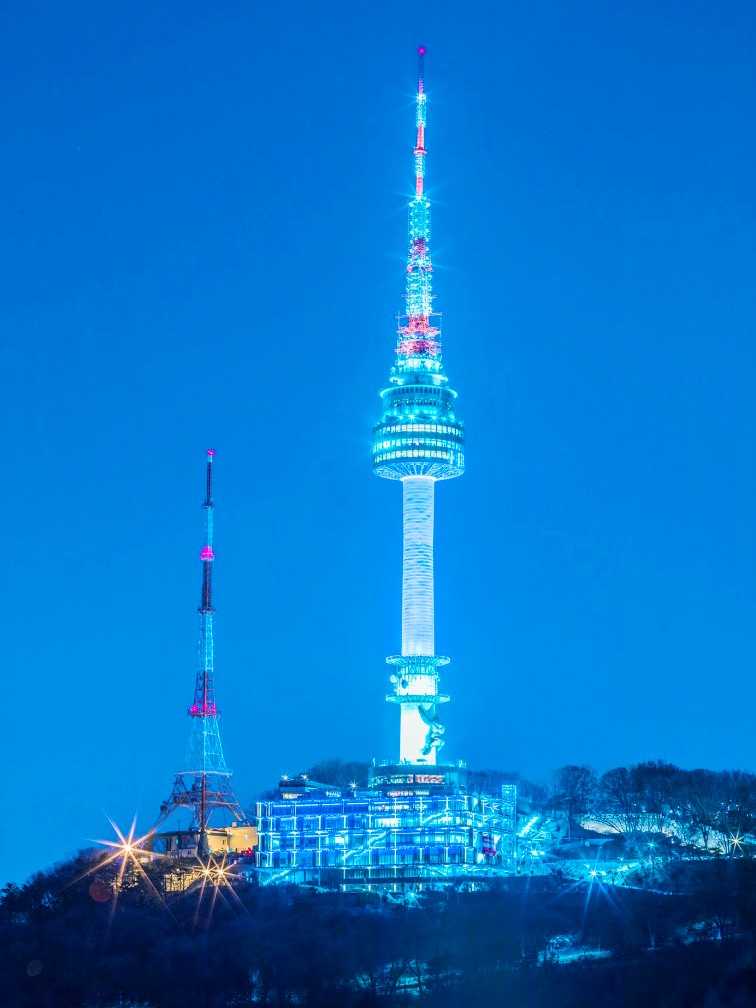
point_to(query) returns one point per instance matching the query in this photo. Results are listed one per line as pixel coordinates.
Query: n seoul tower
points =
(418, 440)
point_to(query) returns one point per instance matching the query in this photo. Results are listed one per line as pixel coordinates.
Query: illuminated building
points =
(203, 786)
(404, 837)
(419, 822)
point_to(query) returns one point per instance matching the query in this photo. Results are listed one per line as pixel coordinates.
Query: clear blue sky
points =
(203, 244)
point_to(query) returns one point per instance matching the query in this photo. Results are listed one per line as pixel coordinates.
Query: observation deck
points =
(419, 433)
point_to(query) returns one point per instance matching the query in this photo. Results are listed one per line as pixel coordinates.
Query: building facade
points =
(408, 835)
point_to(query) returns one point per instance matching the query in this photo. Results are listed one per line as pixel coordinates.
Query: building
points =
(406, 836)
(189, 858)
(230, 841)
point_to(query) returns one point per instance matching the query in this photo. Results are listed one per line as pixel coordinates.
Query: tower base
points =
(395, 779)
(201, 794)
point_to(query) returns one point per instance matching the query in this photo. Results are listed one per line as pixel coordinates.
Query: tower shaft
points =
(417, 566)
(418, 494)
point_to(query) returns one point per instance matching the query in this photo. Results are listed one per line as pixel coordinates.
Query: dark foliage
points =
(684, 936)
(340, 773)
(65, 944)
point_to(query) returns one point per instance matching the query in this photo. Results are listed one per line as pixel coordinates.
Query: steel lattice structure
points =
(204, 785)
(418, 440)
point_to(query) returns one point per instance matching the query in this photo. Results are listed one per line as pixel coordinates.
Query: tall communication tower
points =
(418, 440)
(204, 785)
(421, 821)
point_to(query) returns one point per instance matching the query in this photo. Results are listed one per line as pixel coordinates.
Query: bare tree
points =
(575, 789)
(618, 805)
(656, 785)
(703, 805)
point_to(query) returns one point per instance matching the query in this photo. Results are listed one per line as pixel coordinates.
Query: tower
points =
(420, 822)
(204, 785)
(418, 440)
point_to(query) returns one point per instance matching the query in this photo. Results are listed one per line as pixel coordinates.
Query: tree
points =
(655, 784)
(340, 773)
(575, 791)
(703, 805)
(618, 801)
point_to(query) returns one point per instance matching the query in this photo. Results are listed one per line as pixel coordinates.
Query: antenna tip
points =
(421, 50)
(211, 453)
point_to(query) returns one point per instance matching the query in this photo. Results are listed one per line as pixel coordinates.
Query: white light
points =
(528, 826)
(413, 732)
(417, 568)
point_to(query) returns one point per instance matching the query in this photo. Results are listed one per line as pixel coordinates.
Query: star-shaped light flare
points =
(128, 850)
(216, 876)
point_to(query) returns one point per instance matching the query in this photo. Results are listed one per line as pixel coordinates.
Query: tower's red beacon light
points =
(210, 452)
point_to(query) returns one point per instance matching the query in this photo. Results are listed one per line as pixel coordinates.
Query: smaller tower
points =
(204, 785)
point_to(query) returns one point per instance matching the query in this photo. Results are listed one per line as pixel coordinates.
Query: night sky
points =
(202, 246)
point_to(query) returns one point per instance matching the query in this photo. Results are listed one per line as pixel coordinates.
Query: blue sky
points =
(203, 245)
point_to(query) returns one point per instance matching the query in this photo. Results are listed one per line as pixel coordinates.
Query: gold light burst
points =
(128, 852)
(215, 879)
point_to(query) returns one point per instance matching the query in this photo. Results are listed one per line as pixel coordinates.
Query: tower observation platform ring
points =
(419, 433)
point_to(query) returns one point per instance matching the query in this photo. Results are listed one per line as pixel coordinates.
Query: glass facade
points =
(369, 838)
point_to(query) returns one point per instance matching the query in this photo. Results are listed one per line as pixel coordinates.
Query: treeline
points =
(66, 944)
(706, 809)
(709, 809)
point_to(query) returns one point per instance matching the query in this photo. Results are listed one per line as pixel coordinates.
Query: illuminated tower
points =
(204, 784)
(418, 440)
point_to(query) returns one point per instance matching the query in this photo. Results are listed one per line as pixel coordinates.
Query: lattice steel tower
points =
(418, 440)
(205, 784)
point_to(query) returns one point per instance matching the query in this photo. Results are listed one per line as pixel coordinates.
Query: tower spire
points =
(204, 694)
(420, 122)
(418, 345)
(205, 783)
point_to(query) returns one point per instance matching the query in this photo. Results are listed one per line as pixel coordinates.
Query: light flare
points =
(127, 852)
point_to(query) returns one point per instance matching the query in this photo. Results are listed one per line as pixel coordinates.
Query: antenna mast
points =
(205, 783)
